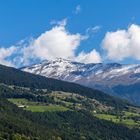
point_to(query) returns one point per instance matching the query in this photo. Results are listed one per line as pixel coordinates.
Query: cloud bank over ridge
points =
(56, 42)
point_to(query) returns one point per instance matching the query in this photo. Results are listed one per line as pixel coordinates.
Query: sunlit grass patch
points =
(50, 108)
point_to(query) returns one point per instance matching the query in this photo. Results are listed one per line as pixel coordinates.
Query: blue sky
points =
(23, 19)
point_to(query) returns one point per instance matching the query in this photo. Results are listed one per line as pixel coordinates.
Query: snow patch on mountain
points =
(87, 74)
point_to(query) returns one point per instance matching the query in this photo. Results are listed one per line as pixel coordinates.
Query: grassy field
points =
(107, 117)
(125, 119)
(19, 101)
(115, 119)
(36, 106)
(40, 108)
(130, 114)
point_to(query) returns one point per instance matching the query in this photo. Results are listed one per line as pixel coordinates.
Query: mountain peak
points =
(101, 76)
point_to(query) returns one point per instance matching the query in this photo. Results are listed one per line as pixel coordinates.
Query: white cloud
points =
(57, 42)
(4, 54)
(59, 23)
(77, 9)
(123, 43)
(94, 29)
(54, 43)
(91, 57)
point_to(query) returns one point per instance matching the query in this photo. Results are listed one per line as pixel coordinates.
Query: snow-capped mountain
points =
(112, 78)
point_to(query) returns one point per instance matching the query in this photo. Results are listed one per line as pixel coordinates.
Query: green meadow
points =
(126, 120)
(41, 108)
(37, 106)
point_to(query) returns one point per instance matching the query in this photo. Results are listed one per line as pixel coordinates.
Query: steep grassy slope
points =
(12, 76)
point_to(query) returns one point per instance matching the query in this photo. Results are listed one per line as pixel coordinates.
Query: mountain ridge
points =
(12, 76)
(105, 77)
(36, 107)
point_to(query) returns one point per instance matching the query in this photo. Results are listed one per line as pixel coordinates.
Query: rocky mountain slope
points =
(116, 79)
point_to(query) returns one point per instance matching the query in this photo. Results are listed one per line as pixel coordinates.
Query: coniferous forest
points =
(67, 111)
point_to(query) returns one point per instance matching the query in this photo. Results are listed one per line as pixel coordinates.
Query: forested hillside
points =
(12, 76)
(37, 108)
(17, 124)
